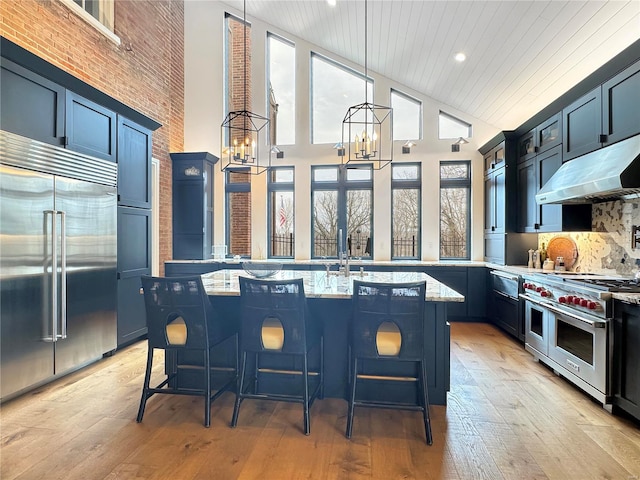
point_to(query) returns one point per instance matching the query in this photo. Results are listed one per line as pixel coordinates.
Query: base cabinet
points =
(134, 260)
(626, 358)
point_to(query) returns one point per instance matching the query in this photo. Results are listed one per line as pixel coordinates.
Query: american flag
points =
(282, 214)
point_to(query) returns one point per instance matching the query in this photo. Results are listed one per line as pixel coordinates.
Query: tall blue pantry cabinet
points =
(134, 226)
(192, 205)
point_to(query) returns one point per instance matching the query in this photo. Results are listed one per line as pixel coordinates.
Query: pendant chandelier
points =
(362, 126)
(244, 140)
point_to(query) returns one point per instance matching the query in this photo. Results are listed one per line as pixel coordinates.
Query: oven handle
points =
(506, 295)
(554, 309)
(507, 276)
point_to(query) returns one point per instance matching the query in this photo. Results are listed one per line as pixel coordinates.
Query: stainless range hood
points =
(609, 173)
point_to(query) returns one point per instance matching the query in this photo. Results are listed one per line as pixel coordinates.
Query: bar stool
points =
(275, 325)
(179, 319)
(388, 326)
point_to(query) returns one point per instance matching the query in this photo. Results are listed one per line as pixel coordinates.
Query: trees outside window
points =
(281, 212)
(406, 193)
(455, 208)
(342, 203)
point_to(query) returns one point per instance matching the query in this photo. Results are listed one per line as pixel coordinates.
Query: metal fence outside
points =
(282, 245)
(405, 247)
(451, 248)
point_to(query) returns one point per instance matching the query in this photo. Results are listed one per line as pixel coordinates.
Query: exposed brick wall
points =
(146, 72)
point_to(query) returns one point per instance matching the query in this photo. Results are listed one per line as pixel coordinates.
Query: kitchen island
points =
(329, 303)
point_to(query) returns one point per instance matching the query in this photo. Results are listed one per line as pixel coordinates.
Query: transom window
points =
(407, 116)
(342, 211)
(452, 127)
(334, 88)
(281, 74)
(455, 210)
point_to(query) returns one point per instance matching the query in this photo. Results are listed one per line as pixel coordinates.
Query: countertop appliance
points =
(568, 326)
(58, 261)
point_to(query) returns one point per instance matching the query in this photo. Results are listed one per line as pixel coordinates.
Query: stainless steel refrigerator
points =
(57, 261)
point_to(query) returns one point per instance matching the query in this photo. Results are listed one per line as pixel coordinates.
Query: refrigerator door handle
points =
(53, 335)
(63, 276)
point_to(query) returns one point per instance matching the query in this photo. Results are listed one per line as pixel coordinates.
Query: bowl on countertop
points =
(261, 269)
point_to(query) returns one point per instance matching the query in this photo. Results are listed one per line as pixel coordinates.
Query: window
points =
(407, 116)
(452, 127)
(406, 198)
(281, 212)
(455, 208)
(334, 89)
(98, 13)
(237, 92)
(281, 76)
(238, 211)
(342, 203)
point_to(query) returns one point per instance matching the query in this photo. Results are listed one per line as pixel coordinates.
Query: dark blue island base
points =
(334, 315)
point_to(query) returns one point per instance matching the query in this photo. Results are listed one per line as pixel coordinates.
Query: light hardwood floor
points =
(507, 417)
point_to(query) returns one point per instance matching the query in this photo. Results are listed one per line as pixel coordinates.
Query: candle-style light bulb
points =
(253, 149)
(357, 142)
(375, 137)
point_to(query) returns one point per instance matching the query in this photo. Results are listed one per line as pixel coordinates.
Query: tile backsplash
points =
(606, 249)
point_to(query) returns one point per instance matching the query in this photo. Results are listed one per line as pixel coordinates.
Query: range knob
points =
(570, 298)
(562, 299)
(539, 289)
(545, 293)
(584, 302)
(592, 305)
(576, 300)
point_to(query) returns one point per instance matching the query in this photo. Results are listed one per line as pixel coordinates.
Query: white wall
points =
(204, 113)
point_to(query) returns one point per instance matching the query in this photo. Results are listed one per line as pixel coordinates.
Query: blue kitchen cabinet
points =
(192, 205)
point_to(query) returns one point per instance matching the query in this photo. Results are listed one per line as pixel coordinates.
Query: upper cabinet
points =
(495, 193)
(531, 217)
(37, 108)
(607, 114)
(545, 136)
(31, 105)
(582, 125)
(134, 164)
(621, 105)
(90, 128)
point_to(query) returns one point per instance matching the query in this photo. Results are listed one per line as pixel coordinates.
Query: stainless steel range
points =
(567, 323)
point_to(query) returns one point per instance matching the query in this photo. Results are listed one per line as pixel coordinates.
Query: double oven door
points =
(575, 342)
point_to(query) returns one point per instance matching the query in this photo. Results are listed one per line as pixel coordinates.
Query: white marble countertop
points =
(354, 262)
(627, 297)
(318, 285)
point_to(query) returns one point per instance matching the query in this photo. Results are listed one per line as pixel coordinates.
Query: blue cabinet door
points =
(134, 260)
(134, 164)
(90, 128)
(31, 105)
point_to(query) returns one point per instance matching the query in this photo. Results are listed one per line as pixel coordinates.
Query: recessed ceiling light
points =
(460, 57)
(332, 3)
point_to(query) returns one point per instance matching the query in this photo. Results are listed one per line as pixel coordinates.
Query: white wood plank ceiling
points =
(521, 55)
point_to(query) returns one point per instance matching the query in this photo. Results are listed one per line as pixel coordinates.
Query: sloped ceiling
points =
(521, 55)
